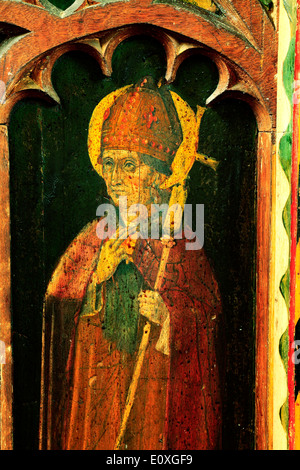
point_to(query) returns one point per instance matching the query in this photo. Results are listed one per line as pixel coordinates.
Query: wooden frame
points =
(243, 45)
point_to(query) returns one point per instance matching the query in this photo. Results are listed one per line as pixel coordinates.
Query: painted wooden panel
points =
(220, 57)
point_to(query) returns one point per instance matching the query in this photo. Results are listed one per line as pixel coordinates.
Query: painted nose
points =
(116, 175)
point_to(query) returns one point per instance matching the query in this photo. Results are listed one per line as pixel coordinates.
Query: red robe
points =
(85, 378)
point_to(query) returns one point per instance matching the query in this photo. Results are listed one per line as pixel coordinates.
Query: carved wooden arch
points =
(247, 71)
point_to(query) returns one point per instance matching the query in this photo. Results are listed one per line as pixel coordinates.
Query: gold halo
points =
(96, 124)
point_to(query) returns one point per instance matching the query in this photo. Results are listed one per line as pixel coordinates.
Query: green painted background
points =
(55, 192)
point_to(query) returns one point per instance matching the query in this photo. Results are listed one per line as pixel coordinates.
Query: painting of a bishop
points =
(132, 334)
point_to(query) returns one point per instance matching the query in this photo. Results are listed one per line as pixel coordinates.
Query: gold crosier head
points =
(184, 155)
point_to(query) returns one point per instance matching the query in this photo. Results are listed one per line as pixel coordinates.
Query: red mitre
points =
(144, 120)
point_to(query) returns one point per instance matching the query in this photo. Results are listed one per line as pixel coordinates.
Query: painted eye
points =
(129, 166)
(108, 165)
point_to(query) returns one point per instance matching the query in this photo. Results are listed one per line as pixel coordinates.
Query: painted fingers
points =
(112, 253)
(152, 306)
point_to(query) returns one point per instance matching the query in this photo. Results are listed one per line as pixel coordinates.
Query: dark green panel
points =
(228, 134)
(62, 4)
(138, 57)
